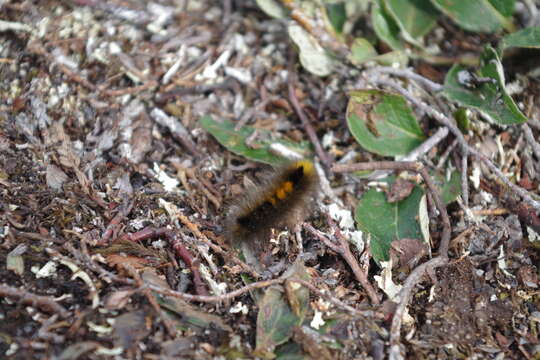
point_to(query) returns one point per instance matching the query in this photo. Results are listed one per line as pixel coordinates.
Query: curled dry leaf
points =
(528, 276)
(130, 328)
(15, 261)
(118, 299)
(55, 177)
(120, 261)
(399, 190)
(407, 252)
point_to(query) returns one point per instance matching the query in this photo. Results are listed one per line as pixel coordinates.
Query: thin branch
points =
(344, 250)
(213, 299)
(46, 303)
(446, 153)
(409, 74)
(326, 295)
(178, 131)
(302, 115)
(226, 254)
(414, 278)
(171, 329)
(426, 145)
(464, 178)
(115, 224)
(181, 251)
(529, 136)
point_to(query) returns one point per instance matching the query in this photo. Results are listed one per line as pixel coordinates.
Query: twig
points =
(214, 299)
(250, 113)
(226, 254)
(39, 49)
(77, 273)
(414, 278)
(426, 145)
(344, 250)
(83, 257)
(193, 264)
(446, 153)
(227, 84)
(302, 115)
(171, 329)
(181, 251)
(409, 74)
(535, 123)
(149, 85)
(326, 295)
(531, 140)
(526, 196)
(46, 303)
(114, 225)
(416, 275)
(417, 152)
(464, 178)
(45, 333)
(486, 212)
(36, 236)
(178, 131)
(526, 214)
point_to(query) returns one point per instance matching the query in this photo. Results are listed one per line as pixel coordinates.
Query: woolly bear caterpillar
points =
(281, 200)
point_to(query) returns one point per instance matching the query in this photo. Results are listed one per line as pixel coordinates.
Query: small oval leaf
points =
(312, 56)
(415, 18)
(525, 38)
(475, 15)
(258, 150)
(383, 123)
(385, 27)
(386, 222)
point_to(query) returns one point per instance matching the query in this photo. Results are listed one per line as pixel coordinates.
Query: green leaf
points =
(396, 58)
(415, 18)
(337, 15)
(461, 115)
(273, 8)
(386, 222)
(235, 141)
(361, 51)
(449, 189)
(277, 318)
(290, 351)
(525, 38)
(312, 56)
(472, 15)
(489, 96)
(505, 7)
(275, 322)
(181, 313)
(385, 27)
(383, 123)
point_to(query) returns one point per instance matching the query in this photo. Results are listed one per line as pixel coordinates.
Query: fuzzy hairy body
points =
(283, 199)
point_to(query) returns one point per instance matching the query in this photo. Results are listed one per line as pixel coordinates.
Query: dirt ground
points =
(113, 198)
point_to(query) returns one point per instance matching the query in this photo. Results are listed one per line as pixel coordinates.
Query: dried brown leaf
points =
(55, 177)
(399, 190)
(131, 327)
(407, 252)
